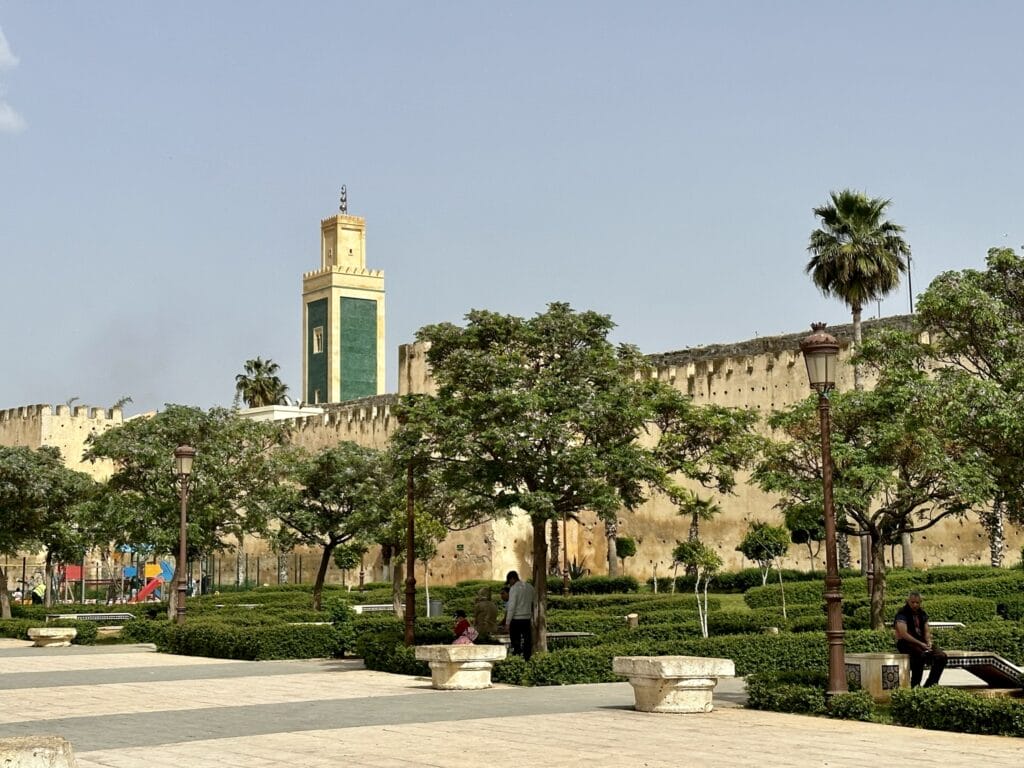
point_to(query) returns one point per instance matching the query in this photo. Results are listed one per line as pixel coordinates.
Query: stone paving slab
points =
(211, 714)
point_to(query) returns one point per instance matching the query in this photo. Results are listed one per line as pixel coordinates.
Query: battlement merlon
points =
(770, 345)
(42, 410)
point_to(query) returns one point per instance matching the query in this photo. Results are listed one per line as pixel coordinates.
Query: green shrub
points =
(603, 585)
(768, 692)
(17, 628)
(949, 709)
(513, 670)
(220, 640)
(1004, 638)
(146, 631)
(343, 618)
(965, 609)
(855, 705)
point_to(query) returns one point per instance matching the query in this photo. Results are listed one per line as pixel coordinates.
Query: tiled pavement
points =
(130, 706)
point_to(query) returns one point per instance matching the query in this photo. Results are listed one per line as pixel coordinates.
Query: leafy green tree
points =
(335, 496)
(39, 503)
(857, 254)
(235, 481)
(765, 545)
(260, 385)
(537, 415)
(625, 546)
(975, 321)
(897, 468)
(806, 525)
(705, 563)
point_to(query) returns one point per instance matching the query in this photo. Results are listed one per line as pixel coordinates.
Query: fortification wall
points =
(64, 427)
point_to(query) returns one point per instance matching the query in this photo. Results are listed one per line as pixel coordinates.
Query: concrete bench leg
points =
(678, 684)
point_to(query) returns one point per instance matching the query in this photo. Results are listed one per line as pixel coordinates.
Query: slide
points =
(147, 590)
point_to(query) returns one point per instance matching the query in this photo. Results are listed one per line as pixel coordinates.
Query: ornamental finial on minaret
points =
(343, 207)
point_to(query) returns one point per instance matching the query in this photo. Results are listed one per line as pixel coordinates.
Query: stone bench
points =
(673, 683)
(55, 636)
(36, 752)
(460, 667)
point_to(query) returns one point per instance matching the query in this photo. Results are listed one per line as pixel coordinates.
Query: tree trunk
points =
(907, 549)
(611, 531)
(321, 574)
(877, 547)
(240, 563)
(540, 584)
(994, 522)
(555, 548)
(5, 597)
(843, 550)
(694, 535)
(282, 568)
(857, 383)
(397, 585)
(172, 589)
(48, 577)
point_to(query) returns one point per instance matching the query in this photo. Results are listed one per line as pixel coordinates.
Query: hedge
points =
(222, 640)
(965, 609)
(949, 709)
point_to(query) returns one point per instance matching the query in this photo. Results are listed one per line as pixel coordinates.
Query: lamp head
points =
(821, 351)
(184, 455)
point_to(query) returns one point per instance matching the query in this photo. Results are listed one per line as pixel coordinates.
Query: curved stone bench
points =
(460, 667)
(673, 683)
(56, 636)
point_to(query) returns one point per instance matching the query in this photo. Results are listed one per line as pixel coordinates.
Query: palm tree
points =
(260, 385)
(698, 509)
(856, 255)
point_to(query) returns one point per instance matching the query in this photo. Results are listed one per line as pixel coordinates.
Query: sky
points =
(164, 168)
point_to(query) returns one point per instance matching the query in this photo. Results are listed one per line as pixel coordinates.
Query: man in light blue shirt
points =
(522, 601)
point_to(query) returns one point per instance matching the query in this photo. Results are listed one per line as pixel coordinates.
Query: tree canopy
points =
(857, 255)
(260, 385)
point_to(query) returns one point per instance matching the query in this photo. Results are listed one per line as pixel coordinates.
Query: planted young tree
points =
(235, 483)
(765, 545)
(539, 416)
(705, 563)
(806, 526)
(625, 547)
(336, 495)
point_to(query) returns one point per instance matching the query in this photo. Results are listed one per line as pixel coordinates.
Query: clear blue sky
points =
(164, 168)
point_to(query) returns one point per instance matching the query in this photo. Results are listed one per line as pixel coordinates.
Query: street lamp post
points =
(184, 455)
(410, 559)
(821, 351)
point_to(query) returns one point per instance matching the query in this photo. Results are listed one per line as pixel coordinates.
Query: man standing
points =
(914, 638)
(522, 599)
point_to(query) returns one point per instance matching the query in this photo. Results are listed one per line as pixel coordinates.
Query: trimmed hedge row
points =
(221, 640)
(949, 709)
(18, 629)
(624, 604)
(965, 609)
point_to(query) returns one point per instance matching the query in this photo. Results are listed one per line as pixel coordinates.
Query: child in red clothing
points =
(464, 632)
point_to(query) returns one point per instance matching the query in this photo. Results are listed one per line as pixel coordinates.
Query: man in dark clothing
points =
(914, 638)
(522, 602)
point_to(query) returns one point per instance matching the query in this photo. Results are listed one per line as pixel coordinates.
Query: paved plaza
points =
(130, 707)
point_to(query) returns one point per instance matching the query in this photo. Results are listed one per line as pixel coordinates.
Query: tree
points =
(897, 468)
(625, 547)
(856, 255)
(260, 384)
(806, 525)
(705, 563)
(975, 321)
(337, 495)
(39, 499)
(765, 545)
(536, 415)
(235, 482)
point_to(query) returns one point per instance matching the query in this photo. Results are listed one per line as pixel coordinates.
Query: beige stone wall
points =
(62, 427)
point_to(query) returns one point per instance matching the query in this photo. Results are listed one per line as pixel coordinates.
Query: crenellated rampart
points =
(368, 421)
(62, 426)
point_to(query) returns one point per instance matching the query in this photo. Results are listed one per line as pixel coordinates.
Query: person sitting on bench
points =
(914, 638)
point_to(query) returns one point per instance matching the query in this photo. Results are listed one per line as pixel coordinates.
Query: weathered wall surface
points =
(63, 427)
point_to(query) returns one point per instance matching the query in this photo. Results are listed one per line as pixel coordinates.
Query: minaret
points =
(342, 316)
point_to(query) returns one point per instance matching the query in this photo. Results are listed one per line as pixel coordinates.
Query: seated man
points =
(914, 638)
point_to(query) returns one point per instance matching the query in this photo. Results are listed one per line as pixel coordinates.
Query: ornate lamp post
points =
(821, 351)
(410, 558)
(184, 455)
